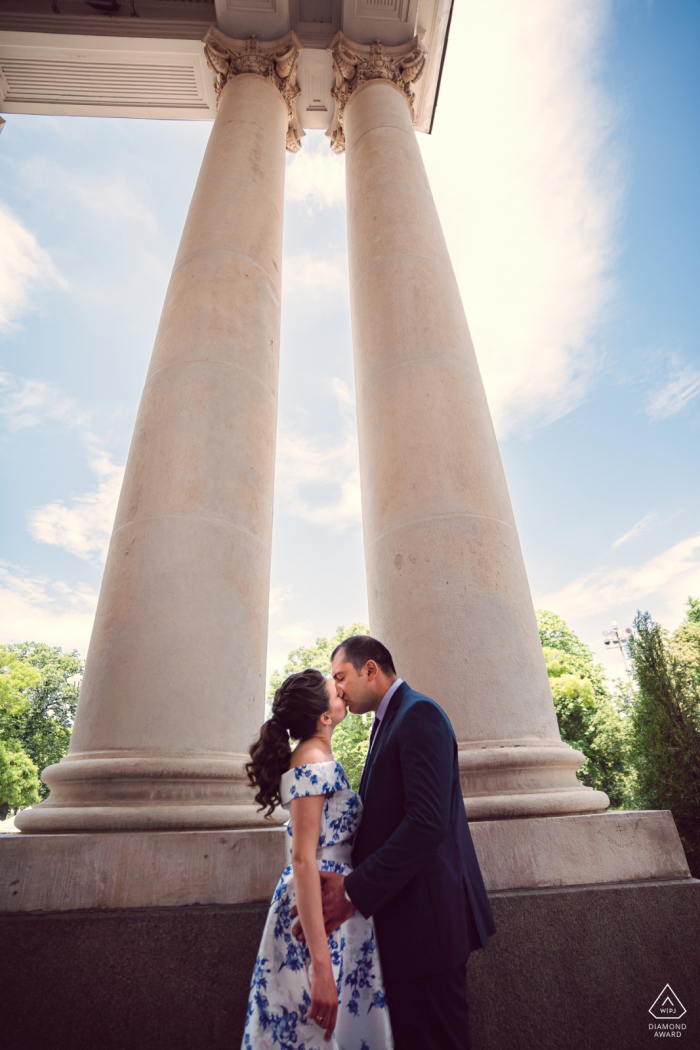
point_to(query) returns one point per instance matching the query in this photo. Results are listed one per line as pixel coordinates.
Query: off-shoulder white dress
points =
(280, 992)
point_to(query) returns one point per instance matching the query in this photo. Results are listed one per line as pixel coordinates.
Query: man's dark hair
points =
(359, 648)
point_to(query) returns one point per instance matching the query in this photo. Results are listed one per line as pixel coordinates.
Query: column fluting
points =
(173, 692)
(448, 591)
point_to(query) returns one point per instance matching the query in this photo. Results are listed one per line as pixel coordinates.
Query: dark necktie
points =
(373, 732)
(375, 729)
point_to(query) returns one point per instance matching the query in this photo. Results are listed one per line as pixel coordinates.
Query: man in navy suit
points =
(415, 867)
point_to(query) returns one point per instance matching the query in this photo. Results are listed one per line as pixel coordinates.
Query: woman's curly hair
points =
(298, 704)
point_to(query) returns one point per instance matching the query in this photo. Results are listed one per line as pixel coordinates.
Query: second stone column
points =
(448, 592)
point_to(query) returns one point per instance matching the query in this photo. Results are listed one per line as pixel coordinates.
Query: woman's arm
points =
(306, 827)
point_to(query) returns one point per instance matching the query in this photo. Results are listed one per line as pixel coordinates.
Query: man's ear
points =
(372, 670)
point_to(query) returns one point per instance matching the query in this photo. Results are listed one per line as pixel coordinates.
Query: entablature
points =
(145, 58)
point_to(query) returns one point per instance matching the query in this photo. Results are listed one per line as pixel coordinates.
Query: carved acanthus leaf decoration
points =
(355, 64)
(274, 60)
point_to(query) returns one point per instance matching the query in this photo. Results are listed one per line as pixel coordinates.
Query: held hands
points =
(324, 1000)
(336, 909)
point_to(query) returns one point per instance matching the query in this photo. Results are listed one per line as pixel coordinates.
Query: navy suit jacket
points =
(415, 867)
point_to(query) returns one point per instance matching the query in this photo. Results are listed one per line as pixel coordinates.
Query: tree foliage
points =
(589, 718)
(41, 719)
(693, 613)
(16, 678)
(351, 738)
(665, 721)
(19, 780)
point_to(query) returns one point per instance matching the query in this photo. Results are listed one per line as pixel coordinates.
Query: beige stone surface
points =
(448, 592)
(173, 691)
(167, 868)
(582, 850)
(139, 869)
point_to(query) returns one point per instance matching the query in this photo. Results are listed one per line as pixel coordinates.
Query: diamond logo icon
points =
(667, 1005)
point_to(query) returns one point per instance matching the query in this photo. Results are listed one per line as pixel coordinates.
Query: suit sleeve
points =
(426, 751)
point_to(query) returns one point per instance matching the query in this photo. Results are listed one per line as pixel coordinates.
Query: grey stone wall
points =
(569, 969)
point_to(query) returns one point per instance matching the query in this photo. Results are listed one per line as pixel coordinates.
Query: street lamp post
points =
(618, 639)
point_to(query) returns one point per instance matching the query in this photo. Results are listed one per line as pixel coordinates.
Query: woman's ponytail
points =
(270, 756)
(299, 703)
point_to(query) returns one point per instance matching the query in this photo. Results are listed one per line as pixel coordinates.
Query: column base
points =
(64, 820)
(146, 791)
(506, 779)
(581, 800)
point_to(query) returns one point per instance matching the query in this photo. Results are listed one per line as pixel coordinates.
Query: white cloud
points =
(317, 481)
(34, 609)
(115, 199)
(641, 526)
(528, 188)
(296, 634)
(24, 265)
(283, 639)
(313, 280)
(667, 579)
(342, 393)
(84, 526)
(33, 402)
(675, 395)
(278, 596)
(315, 175)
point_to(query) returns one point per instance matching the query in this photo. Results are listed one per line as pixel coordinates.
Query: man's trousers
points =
(429, 1013)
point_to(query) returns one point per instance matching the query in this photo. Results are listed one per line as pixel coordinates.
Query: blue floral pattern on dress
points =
(280, 991)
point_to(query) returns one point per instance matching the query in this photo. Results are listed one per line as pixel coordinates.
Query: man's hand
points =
(336, 909)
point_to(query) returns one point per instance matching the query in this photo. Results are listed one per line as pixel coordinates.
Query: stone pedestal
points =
(174, 685)
(448, 592)
(160, 931)
(69, 872)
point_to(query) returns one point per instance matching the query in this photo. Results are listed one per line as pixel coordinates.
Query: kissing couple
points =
(369, 930)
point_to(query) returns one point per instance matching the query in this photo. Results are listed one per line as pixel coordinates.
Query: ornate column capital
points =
(274, 60)
(356, 64)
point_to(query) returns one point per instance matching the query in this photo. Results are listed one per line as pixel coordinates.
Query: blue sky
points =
(564, 163)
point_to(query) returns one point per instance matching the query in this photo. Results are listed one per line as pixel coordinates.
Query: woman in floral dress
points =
(328, 991)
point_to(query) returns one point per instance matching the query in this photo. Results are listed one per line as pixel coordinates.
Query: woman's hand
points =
(324, 999)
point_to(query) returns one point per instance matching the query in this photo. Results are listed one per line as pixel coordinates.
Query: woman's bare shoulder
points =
(309, 751)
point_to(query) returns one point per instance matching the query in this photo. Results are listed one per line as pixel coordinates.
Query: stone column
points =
(173, 692)
(448, 592)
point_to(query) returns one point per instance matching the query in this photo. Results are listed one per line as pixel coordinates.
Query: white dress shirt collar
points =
(381, 710)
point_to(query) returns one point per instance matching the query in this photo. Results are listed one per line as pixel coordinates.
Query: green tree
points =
(19, 780)
(589, 717)
(665, 722)
(557, 636)
(684, 643)
(351, 737)
(42, 724)
(16, 678)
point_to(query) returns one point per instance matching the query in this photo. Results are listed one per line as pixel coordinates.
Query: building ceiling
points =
(144, 58)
